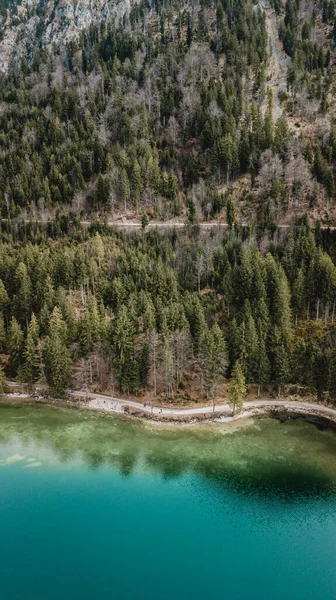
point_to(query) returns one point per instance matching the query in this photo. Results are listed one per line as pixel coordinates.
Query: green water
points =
(99, 507)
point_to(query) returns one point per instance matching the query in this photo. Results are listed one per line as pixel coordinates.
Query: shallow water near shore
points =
(97, 506)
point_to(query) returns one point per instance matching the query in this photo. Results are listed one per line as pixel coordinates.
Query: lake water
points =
(100, 507)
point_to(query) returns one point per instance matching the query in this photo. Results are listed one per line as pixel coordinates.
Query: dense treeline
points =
(309, 70)
(123, 101)
(129, 98)
(170, 313)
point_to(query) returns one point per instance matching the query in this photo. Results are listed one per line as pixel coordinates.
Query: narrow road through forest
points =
(134, 225)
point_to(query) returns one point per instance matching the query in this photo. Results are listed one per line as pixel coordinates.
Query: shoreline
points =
(314, 412)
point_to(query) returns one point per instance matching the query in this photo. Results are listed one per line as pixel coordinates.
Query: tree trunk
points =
(83, 295)
(326, 313)
(317, 309)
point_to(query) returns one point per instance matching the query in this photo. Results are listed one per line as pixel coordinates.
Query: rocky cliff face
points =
(30, 25)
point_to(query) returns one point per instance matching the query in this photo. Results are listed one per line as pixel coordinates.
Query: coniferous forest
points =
(217, 117)
(168, 311)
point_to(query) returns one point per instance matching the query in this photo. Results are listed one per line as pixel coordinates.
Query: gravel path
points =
(112, 404)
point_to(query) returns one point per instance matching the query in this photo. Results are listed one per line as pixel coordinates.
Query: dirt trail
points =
(220, 412)
(114, 404)
(134, 225)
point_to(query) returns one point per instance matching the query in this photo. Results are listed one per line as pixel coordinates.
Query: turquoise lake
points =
(102, 507)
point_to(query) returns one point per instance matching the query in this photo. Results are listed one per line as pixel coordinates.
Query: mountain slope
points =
(30, 25)
(174, 112)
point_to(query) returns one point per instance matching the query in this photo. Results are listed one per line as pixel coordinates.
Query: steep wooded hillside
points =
(178, 112)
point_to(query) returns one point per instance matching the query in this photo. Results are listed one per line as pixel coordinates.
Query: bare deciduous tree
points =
(270, 170)
(173, 130)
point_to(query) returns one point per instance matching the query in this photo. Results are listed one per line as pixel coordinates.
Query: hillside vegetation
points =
(167, 313)
(189, 113)
(169, 113)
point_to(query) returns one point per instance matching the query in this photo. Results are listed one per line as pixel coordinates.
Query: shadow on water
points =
(290, 462)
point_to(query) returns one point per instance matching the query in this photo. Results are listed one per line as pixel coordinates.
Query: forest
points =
(171, 108)
(168, 313)
(172, 113)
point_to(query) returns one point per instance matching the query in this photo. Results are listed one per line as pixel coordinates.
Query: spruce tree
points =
(58, 365)
(237, 388)
(32, 360)
(3, 337)
(124, 186)
(144, 364)
(213, 359)
(4, 299)
(280, 360)
(230, 212)
(263, 365)
(15, 346)
(122, 348)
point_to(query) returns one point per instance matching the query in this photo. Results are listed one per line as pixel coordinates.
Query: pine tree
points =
(298, 294)
(144, 364)
(122, 347)
(222, 360)
(243, 350)
(15, 346)
(252, 346)
(263, 365)
(230, 212)
(237, 388)
(279, 298)
(280, 360)
(167, 365)
(23, 295)
(58, 365)
(131, 377)
(213, 359)
(103, 190)
(189, 31)
(32, 360)
(125, 190)
(195, 316)
(136, 182)
(3, 338)
(33, 328)
(4, 299)
(206, 354)
(57, 325)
